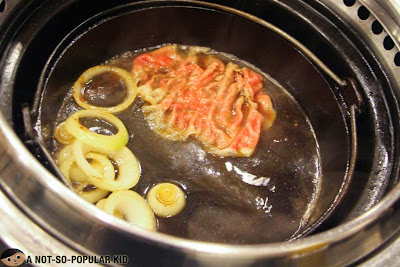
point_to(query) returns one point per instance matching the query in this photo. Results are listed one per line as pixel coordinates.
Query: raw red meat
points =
(196, 94)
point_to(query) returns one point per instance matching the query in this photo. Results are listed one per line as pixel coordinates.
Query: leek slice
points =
(104, 142)
(128, 167)
(131, 207)
(89, 74)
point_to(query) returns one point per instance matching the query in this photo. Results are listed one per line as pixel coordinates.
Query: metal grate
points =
(377, 27)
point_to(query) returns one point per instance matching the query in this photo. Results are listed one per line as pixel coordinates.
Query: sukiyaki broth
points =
(230, 155)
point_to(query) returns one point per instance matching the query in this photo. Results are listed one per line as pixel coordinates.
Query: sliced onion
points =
(94, 195)
(62, 135)
(132, 208)
(65, 166)
(104, 142)
(89, 74)
(106, 167)
(79, 151)
(101, 203)
(166, 199)
(64, 153)
(76, 174)
(128, 167)
(98, 163)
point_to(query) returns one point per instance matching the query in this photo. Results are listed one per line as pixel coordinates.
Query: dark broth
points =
(265, 198)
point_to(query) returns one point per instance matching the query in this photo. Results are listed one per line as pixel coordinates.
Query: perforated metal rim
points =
(355, 13)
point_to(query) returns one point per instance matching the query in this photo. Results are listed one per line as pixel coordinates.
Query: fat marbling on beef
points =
(192, 93)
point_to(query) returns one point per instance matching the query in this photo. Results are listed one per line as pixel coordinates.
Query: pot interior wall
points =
(223, 32)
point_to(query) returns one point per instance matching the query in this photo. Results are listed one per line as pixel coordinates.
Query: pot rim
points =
(18, 152)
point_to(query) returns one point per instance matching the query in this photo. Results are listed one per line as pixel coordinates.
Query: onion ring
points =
(104, 142)
(128, 167)
(64, 153)
(77, 175)
(100, 163)
(94, 195)
(62, 135)
(133, 208)
(89, 74)
(100, 204)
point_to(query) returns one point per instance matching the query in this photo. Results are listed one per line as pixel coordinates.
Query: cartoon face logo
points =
(13, 257)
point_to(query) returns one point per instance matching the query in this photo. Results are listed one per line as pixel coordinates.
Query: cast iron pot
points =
(330, 107)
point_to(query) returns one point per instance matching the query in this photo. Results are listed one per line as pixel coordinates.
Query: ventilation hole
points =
(376, 27)
(363, 13)
(349, 2)
(2, 5)
(388, 43)
(397, 59)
